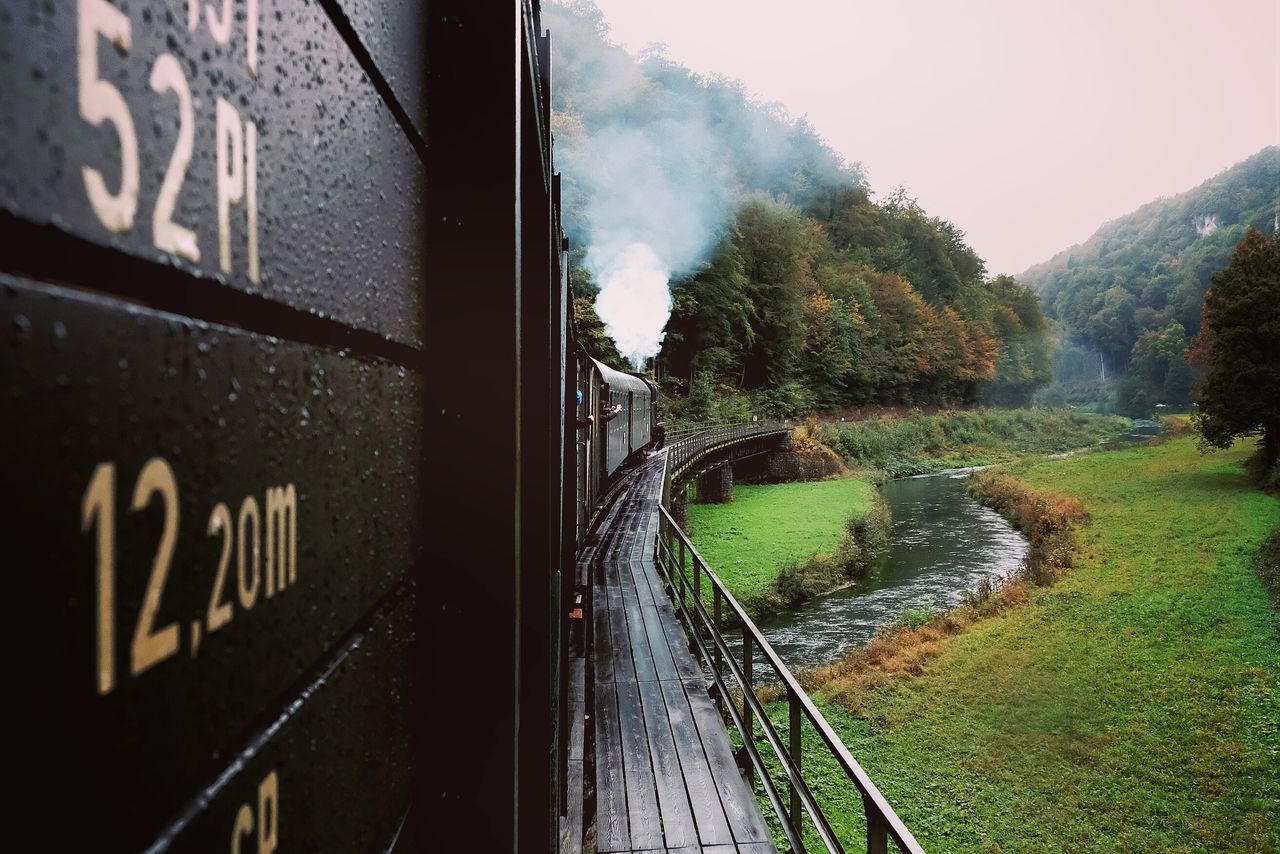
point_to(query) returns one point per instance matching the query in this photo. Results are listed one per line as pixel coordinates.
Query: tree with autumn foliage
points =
(1239, 341)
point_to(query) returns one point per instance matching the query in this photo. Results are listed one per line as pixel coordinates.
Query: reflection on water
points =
(944, 543)
(1140, 430)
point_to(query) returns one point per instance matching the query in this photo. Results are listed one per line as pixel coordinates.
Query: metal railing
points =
(684, 570)
(686, 444)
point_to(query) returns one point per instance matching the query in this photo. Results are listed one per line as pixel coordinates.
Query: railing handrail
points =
(695, 440)
(882, 821)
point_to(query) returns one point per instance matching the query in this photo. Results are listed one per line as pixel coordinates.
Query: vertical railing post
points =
(682, 579)
(877, 828)
(715, 612)
(697, 583)
(664, 551)
(796, 750)
(750, 733)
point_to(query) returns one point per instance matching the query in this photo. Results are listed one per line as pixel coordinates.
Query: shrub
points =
(914, 618)
(1049, 519)
(1267, 563)
(917, 443)
(1264, 475)
(865, 539)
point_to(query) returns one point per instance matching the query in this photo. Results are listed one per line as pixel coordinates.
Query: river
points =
(943, 545)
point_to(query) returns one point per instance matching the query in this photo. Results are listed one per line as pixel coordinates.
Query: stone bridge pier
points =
(716, 486)
(680, 505)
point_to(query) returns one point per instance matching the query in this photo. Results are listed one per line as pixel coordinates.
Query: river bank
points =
(901, 446)
(943, 545)
(1131, 705)
(775, 546)
(778, 547)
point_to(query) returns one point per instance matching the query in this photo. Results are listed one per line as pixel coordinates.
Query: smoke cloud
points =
(654, 161)
(654, 203)
(634, 300)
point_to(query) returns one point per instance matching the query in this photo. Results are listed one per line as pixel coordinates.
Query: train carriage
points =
(287, 577)
(629, 430)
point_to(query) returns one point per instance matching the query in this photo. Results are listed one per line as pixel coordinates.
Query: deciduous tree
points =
(1240, 342)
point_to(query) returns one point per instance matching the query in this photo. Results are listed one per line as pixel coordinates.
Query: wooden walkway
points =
(665, 778)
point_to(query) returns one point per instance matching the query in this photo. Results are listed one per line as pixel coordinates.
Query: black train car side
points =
(623, 407)
(289, 531)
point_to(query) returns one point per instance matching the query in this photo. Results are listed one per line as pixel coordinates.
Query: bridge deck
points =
(665, 778)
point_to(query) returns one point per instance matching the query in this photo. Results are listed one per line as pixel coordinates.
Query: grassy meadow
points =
(918, 444)
(1131, 706)
(750, 539)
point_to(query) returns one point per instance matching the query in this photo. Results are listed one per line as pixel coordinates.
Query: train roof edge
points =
(619, 380)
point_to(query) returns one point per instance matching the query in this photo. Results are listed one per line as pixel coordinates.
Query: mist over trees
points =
(806, 293)
(1132, 293)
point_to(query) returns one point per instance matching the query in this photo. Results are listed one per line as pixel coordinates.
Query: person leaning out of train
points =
(586, 421)
(609, 411)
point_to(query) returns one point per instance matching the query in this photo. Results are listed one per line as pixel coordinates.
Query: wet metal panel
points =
(394, 32)
(331, 772)
(199, 516)
(243, 142)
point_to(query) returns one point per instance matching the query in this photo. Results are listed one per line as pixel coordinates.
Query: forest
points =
(1129, 299)
(798, 288)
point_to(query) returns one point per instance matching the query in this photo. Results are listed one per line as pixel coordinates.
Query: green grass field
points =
(749, 539)
(1133, 706)
(916, 444)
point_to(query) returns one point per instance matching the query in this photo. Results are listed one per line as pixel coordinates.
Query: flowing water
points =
(943, 545)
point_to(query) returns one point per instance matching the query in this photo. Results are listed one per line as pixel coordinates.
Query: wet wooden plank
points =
(664, 655)
(582, 571)
(571, 824)
(678, 643)
(577, 706)
(612, 830)
(644, 617)
(624, 658)
(677, 817)
(642, 801)
(642, 656)
(713, 827)
(739, 803)
(603, 648)
(679, 783)
(665, 635)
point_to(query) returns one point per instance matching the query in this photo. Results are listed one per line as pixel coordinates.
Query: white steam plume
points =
(655, 160)
(634, 300)
(654, 208)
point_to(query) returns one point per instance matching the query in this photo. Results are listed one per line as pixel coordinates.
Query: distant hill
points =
(1150, 269)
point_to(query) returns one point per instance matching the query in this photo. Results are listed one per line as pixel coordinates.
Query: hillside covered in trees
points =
(794, 289)
(1132, 294)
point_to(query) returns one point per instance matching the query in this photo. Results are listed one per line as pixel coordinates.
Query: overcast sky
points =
(1027, 123)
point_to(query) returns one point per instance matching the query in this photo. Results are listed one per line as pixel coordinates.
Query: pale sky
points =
(1027, 124)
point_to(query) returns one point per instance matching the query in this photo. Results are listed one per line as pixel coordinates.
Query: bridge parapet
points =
(694, 448)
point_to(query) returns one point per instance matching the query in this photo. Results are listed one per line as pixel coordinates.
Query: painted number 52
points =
(236, 140)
